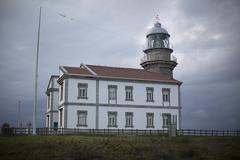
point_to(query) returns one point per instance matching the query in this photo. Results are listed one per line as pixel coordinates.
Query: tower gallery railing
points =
(156, 57)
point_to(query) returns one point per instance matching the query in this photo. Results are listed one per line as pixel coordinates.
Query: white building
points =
(101, 97)
(52, 102)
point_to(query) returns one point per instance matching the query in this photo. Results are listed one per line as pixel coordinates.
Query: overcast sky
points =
(205, 35)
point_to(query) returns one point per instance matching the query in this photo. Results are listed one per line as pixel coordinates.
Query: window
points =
(129, 119)
(61, 117)
(112, 119)
(48, 101)
(82, 90)
(166, 120)
(150, 118)
(82, 118)
(61, 91)
(129, 93)
(48, 120)
(158, 41)
(112, 92)
(149, 91)
(166, 94)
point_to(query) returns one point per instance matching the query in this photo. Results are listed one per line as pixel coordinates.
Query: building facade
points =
(103, 97)
(52, 102)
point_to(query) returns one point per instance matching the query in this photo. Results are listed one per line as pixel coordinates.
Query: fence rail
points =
(77, 131)
(201, 132)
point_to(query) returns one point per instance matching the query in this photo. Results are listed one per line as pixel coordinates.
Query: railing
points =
(168, 46)
(202, 132)
(156, 57)
(77, 131)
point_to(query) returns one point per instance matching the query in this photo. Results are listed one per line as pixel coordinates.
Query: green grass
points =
(119, 148)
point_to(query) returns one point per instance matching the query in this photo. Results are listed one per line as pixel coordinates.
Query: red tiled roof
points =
(121, 73)
(77, 70)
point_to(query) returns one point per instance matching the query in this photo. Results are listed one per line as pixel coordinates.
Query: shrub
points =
(6, 130)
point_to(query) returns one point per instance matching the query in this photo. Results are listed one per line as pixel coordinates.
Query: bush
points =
(6, 130)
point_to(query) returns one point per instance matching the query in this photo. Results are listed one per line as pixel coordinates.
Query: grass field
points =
(119, 148)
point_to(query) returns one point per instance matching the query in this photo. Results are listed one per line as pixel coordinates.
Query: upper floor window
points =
(112, 119)
(166, 94)
(149, 91)
(129, 93)
(82, 90)
(82, 118)
(129, 119)
(112, 92)
(150, 120)
(49, 98)
(166, 120)
(61, 91)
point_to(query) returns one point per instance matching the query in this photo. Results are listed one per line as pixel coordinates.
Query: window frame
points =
(110, 95)
(166, 94)
(129, 89)
(84, 114)
(114, 115)
(149, 90)
(150, 115)
(61, 91)
(61, 117)
(82, 87)
(48, 121)
(128, 115)
(166, 120)
(48, 103)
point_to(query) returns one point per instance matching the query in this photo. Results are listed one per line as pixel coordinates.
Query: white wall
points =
(139, 116)
(139, 93)
(53, 103)
(64, 92)
(63, 117)
(55, 85)
(55, 118)
(55, 95)
(73, 91)
(72, 116)
(139, 97)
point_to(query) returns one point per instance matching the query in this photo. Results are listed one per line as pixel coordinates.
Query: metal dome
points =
(157, 28)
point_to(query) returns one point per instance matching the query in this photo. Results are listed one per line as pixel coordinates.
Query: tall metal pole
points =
(36, 77)
(19, 114)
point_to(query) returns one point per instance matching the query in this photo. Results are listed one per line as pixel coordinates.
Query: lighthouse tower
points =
(157, 53)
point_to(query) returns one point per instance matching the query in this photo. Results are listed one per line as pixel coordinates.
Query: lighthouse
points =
(157, 52)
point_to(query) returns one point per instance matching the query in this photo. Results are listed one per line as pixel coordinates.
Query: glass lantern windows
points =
(158, 41)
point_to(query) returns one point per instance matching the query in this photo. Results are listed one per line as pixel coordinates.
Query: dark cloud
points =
(205, 35)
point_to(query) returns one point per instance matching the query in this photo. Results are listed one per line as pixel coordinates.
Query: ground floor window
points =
(112, 119)
(166, 120)
(48, 120)
(82, 118)
(61, 117)
(150, 120)
(129, 119)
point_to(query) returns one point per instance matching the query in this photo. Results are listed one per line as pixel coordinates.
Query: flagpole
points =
(36, 77)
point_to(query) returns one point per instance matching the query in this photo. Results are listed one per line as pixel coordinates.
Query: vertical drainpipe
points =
(97, 103)
(180, 107)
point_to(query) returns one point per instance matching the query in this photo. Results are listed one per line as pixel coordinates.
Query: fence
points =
(201, 132)
(77, 131)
